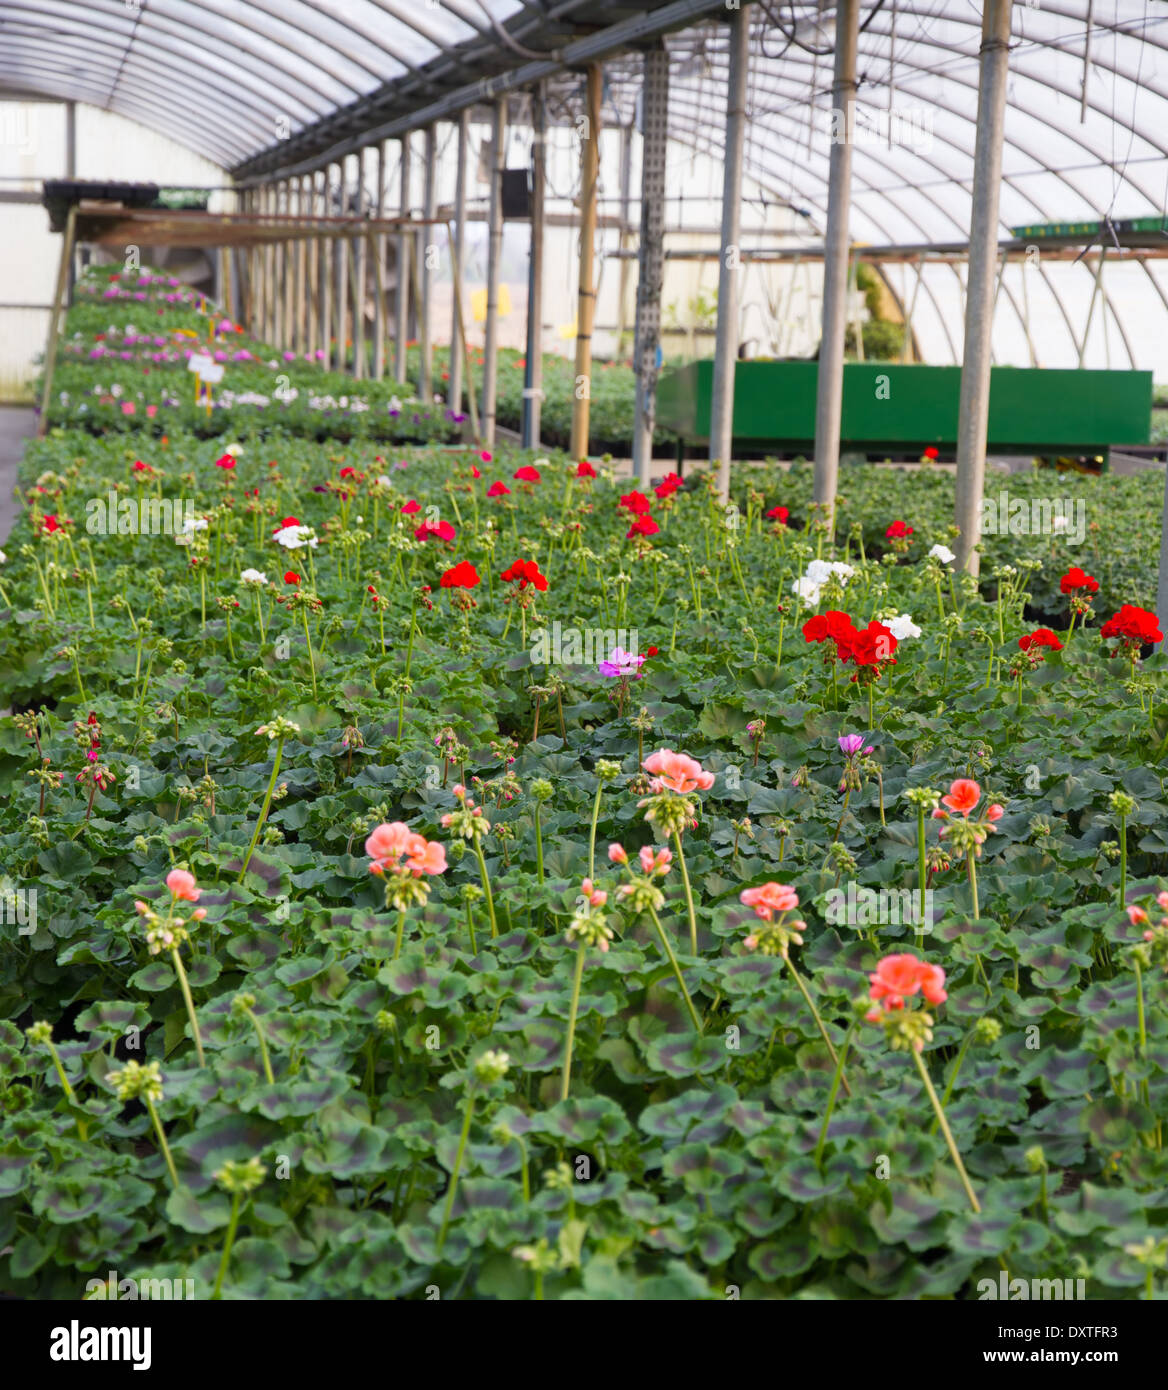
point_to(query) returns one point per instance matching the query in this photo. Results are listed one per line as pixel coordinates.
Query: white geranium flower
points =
(193, 524)
(383, 480)
(807, 590)
(234, 450)
(902, 626)
(294, 537)
(3, 558)
(253, 577)
(942, 553)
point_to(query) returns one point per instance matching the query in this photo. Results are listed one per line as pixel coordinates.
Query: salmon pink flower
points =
(964, 795)
(617, 854)
(899, 977)
(182, 885)
(386, 845)
(677, 772)
(769, 898)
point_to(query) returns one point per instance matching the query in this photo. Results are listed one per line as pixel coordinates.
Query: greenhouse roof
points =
(276, 87)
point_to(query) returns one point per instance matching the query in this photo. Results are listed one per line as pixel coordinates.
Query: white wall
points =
(32, 149)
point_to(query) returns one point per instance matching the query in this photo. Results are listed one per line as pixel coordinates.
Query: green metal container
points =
(904, 408)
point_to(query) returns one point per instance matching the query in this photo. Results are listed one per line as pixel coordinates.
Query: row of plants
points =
(465, 874)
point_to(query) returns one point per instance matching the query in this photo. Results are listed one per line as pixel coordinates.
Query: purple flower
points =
(851, 744)
(621, 663)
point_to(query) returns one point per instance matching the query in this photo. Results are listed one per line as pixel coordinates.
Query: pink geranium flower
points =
(677, 772)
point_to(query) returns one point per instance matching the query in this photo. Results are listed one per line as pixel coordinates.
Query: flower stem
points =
(162, 1144)
(689, 902)
(835, 1085)
(668, 948)
(264, 810)
(462, 1138)
(592, 831)
(487, 889)
(573, 1009)
(185, 985)
(263, 1042)
(818, 1021)
(947, 1132)
(228, 1242)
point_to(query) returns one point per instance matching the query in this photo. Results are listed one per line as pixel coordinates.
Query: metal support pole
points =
(626, 190)
(71, 173)
(973, 415)
(288, 274)
(651, 257)
(830, 385)
(59, 296)
(358, 254)
(729, 263)
(343, 253)
(429, 212)
(533, 372)
(1086, 63)
(377, 251)
(494, 255)
(326, 278)
(405, 236)
(457, 259)
(1095, 288)
(586, 292)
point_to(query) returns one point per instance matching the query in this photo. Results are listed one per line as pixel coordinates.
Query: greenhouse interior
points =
(761, 894)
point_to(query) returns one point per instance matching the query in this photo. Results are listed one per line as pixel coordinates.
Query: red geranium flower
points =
(669, 485)
(410, 507)
(50, 524)
(461, 576)
(226, 462)
(430, 530)
(525, 572)
(527, 474)
(1075, 578)
(291, 577)
(873, 647)
(932, 453)
(834, 626)
(348, 472)
(643, 526)
(779, 514)
(585, 470)
(1133, 626)
(636, 502)
(499, 489)
(898, 530)
(1040, 637)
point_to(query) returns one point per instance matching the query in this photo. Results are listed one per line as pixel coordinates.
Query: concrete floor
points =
(17, 424)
